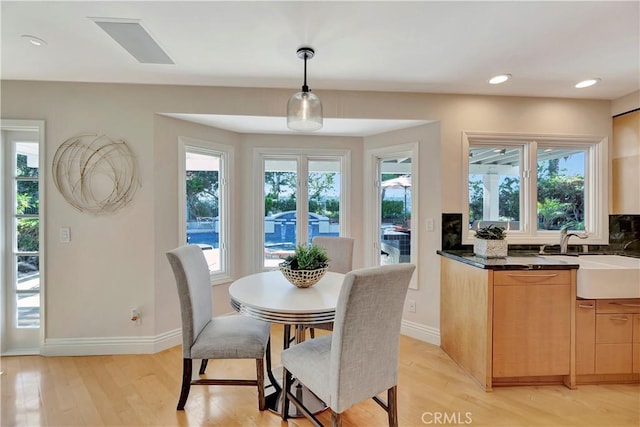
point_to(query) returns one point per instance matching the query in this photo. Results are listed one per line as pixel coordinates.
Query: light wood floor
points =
(142, 390)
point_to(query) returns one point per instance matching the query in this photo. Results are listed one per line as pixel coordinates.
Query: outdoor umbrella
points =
(401, 182)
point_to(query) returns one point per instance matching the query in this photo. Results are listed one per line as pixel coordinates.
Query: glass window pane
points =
(324, 198)
(494, 186)
(27, 198)
(203, 204)
(28, 273)
(28, 313)
(395, 192)
(561, 174)
(27, 159)
(27, 233)
(280, 186)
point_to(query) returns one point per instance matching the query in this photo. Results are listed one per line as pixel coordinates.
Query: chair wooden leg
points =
(392, 403)
(186, 383)
(203, 366)
(312, 333)
(287, 380)
(336, 419)
(260, 377)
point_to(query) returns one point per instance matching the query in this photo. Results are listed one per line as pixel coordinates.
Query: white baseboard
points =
(154, 344)
(111, 345)
(420, 332)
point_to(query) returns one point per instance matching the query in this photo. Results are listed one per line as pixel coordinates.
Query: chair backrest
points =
(194, 290)
(339, 250)
(366, 333)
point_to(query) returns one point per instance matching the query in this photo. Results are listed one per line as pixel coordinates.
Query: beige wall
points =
(116, 262)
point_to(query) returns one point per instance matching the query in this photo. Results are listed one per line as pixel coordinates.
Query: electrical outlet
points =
(412, 306)
(135, 316)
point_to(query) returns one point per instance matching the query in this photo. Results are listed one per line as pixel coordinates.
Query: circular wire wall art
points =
(95, 174)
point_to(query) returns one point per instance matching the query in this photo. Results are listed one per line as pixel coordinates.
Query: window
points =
(296, 210)
(536, 185)
(205, 215)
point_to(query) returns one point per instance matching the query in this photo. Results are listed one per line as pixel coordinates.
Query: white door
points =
(392, 197)
(22, 231)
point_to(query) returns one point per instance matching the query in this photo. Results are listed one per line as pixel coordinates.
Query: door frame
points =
(372, 201)
(6, 249)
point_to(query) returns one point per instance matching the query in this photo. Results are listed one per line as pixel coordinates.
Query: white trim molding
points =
(95, 346)
(420, 332)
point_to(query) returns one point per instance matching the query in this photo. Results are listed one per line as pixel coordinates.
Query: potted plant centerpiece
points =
(490, 242)
(306, 266)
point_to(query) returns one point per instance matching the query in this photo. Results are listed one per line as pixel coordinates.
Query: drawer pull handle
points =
(625, 304)
(619, 318)
(585, 306)
(532, 276)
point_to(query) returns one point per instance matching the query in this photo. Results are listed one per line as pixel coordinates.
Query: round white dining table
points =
(271, 297)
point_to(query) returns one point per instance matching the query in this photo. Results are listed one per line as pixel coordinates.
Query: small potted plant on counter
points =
(306, 266)
(490, 242)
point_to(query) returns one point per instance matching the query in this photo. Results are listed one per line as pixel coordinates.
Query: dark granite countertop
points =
(515, 261)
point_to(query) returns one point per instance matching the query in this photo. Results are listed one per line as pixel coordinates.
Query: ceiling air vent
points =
(132, 36)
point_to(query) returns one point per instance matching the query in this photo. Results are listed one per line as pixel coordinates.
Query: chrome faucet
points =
(564, 238)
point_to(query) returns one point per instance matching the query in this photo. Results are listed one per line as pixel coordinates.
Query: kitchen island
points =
(509, 321)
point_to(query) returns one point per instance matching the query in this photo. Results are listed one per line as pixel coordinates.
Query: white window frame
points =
(302, 157)
(8, 232)
(226, 154)
(373, 199)
(596, 184)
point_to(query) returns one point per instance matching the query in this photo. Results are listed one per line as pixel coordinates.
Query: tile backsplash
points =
(451, 231)
(624, 233)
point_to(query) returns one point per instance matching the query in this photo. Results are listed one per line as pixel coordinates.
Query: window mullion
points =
(303, 199)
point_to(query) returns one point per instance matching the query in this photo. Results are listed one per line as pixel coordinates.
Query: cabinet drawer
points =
(614, 328)
(618, 305)
(614, 358)
(542, 277)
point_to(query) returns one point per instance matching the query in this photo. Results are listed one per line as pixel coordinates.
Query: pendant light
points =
(304, 109)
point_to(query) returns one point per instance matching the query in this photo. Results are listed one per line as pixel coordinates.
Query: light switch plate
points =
(429, 224)
(65, 234)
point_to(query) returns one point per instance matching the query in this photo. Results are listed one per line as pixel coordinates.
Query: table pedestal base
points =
(310, 400)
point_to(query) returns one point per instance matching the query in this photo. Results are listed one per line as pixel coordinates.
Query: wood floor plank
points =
(142, 390)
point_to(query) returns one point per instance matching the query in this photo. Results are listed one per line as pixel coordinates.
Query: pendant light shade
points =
(304, 109)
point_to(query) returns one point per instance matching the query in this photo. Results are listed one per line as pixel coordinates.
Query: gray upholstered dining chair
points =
(339, 250)
(340, 253)
(360, 359)
(222, 337)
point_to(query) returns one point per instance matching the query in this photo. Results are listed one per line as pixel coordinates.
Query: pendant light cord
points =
(305, 88)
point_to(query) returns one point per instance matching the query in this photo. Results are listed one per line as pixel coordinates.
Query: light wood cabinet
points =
(531, 323)
(585, 337)
(509, 326)
(607, 339)
(636, 344)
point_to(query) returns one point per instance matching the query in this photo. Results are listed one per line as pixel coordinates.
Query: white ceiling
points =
(430, 47)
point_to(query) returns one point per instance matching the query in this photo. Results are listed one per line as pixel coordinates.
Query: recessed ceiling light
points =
(36, 41)
(501, 78)
(587, 83)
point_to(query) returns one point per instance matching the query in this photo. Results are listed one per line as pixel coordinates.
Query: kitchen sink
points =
(605, 276)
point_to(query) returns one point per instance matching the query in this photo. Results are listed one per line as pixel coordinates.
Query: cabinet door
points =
(531, 330)
(636, 344)
(585, 337)
(614, 350)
